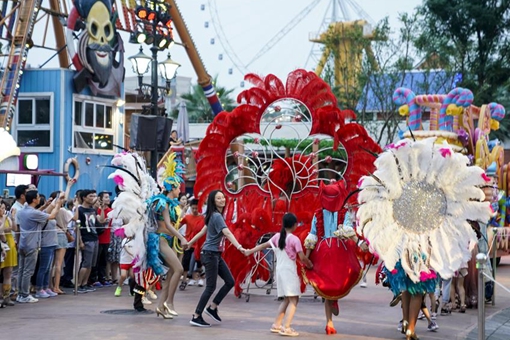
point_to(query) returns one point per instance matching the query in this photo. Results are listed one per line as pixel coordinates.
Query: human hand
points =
(309, 265)
(184, 245)
(82, 245)
(364, 246)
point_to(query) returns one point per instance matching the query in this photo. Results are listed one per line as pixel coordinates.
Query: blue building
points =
(56, 124)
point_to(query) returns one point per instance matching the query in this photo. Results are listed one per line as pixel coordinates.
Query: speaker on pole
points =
(149, 133)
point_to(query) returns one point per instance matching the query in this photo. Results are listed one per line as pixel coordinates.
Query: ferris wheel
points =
(248, 37)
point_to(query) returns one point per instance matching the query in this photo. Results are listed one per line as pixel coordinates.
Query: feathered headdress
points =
(170, 177)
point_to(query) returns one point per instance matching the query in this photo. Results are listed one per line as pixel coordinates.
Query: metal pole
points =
(494, 260)
(76, 255)
(154, 100)
(481, 260)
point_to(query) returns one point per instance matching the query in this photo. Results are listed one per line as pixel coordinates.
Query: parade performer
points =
(216, 230)
(332, 248)
(287, 248)
(414, 213)
(135, 186)
(241, 156)
(164, 243)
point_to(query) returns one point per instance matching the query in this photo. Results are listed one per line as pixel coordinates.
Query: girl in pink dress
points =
(287, 247)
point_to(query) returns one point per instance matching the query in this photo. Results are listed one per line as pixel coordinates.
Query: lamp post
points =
(160, 37)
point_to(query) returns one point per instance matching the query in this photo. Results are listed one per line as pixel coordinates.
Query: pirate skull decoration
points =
(98, 44)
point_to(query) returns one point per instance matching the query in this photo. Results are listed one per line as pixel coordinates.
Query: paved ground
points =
(364, 314)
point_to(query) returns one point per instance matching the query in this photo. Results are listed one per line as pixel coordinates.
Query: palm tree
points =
(198, 107)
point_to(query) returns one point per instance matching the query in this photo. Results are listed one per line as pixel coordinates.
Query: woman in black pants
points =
(211, 258)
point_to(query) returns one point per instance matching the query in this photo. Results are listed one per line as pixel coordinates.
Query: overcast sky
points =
(248, 26)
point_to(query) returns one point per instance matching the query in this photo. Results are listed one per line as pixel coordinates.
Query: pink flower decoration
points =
(256, 140)
(120, 233)
(394, 271)
(329, 159)
(486, 178)
(390, 146)
(401, 145)
(360, 182)
(445, 152)
(424, 276)
(316, 141)
(118, 180)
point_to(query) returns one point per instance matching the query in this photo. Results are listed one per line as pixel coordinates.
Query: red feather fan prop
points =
(259, 207)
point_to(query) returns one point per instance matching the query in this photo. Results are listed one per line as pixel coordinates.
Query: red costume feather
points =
(260, 209)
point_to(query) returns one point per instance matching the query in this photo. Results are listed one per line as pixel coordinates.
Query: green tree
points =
(470, 37)
(198, 107)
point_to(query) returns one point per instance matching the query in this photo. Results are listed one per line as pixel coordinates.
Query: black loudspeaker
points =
(150, 133)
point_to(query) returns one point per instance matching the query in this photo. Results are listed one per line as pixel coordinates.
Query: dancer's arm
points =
(228, 234)
(171, 230)
(197, 236)
(258, 248)
(305, 260)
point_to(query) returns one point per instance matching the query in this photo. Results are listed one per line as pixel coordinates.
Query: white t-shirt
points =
(127, 252)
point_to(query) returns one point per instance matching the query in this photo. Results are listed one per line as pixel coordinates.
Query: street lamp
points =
(154, 14)
(168, 69)
(140, 63)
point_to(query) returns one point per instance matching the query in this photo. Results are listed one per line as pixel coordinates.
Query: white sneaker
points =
(51, 293)
(152, 295)
(146, 301)
(363, 285)
(192, 282)
(28, 299)
(200, 283)
(433, 316)
(42, 294)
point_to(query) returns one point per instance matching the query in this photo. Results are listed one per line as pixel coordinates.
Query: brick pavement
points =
(364, 314)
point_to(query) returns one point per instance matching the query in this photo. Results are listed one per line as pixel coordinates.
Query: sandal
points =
(463, 308)
(288, 332)
(183, 285)
(275, 329)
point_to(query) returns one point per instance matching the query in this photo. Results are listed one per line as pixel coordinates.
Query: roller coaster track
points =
(25, 21)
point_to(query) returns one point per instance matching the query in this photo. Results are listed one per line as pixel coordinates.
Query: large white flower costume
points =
(416, 206)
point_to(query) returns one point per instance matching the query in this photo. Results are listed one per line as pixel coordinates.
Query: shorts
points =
(89, 254)
(62, 241)
(126, 266)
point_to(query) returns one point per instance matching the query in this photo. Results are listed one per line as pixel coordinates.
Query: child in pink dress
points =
(287, 247)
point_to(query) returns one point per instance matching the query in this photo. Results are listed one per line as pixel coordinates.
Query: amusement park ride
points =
(18, 19)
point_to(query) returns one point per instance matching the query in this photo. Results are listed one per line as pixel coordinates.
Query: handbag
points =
(69, 236)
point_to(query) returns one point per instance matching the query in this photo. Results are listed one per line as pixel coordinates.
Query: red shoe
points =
(330, 330)
(334, 308)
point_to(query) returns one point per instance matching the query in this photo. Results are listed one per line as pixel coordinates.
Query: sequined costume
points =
(170, 178)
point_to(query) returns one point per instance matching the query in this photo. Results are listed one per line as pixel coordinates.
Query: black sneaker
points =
(199, 322)
(82, 290)
(213, 313)
(90, 288)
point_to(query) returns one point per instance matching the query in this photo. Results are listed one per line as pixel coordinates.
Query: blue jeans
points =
(26, 268)
(46, 255)
(214, 267)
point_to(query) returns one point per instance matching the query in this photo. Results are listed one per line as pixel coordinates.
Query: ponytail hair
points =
(289, 220)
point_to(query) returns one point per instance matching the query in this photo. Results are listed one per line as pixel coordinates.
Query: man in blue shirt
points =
(31, 222)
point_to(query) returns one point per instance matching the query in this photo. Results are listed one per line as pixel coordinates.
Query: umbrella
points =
(183, 123)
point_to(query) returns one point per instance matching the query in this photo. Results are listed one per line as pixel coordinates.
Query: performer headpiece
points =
(332, 195)
(171, 177)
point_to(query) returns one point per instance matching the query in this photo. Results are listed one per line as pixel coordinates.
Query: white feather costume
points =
(137, 187)
(415, 207)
